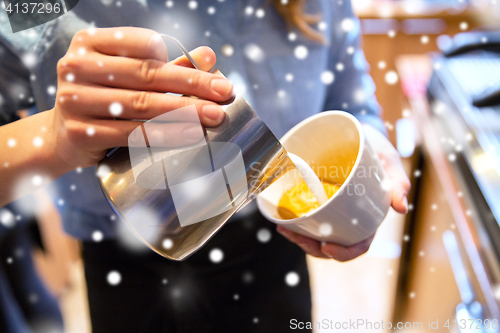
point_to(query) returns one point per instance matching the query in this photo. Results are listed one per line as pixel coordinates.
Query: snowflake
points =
(90, 131)
(192, 5)
(412, 295)
(249, 10)
(391, 77)
(434, 206)
(11, 142)
(260, 13)
(264, 235)
(236, 297)
(211, 10)
(115, 109)
(37, 141)
(167, 244)
(255, 320)
(91, 30)
(7, 218)
(103, 171)
(386, 185)
(97, 236)
(72, 187)
(216, 255)
(391, 33)
(82, 51)
(227, 50)
(254, 53)
(350, 50)
(327, 77)
(325, 229)
(292, 36)
(51, 90)
(114, 278)
(359, 95)
(381, 64)
(464, 25)
(70, 77)
(118, 34)
(29, 60)
(289, 77)
(248, 277)
(301, 52)
(281, 93)
(169, 4)
(292, 279)
(347, 24)
(424, 39)
(37, 180)
(417, 173)
(339, 67)
(354, 221)
(322, 26)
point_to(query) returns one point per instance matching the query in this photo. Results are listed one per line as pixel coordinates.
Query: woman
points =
(286, 75)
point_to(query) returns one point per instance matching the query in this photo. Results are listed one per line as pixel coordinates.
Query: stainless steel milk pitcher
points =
(176, 198)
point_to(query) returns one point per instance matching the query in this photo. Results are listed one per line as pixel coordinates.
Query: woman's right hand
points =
(124, 73)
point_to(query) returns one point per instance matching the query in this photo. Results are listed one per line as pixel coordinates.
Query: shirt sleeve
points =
(15, 89)
(353, 89)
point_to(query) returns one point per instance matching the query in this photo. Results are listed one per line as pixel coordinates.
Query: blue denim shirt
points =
(284, 76)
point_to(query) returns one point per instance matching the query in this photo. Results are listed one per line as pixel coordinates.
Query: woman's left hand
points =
(391, 162)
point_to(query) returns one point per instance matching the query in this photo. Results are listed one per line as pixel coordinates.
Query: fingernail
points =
(214, 112)
(221, 86)
(156, 138)
(193, 132)
(283, 231)
(305, 247)
(405, 203)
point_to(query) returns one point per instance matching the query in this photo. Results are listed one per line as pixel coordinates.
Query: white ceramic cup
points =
(334, 145)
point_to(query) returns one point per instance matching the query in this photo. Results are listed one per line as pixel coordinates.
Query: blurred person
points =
(287, 70)
(26, 306)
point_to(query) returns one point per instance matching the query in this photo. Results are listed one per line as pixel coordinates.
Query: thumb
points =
(400, 183)
(203, 55)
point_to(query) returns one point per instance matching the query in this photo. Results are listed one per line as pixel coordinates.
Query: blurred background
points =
(436, 65)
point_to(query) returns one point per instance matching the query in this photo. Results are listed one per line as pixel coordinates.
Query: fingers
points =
(100, 102)
(346, 253)
(203, 55)
(400, 182)
(391, 162)
(145, 75)
(308, 245)
(326, 250)
(105, 134)
(125, 42)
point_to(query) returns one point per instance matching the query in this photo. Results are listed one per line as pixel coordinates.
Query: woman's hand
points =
(108, 79)
(124, 73)
(391, 162)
